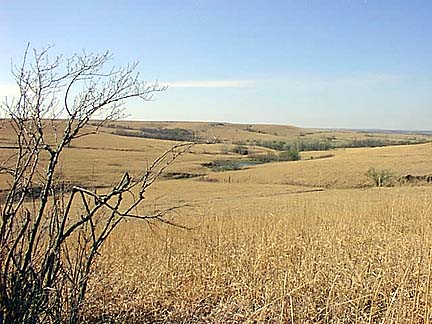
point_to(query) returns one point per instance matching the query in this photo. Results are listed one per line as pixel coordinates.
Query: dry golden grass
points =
(229, 133)
(341, 256)
(98, 160)
(225, 132)
(345, 170)
(290, 242)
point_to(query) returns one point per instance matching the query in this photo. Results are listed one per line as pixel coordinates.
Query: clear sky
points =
(328, 63)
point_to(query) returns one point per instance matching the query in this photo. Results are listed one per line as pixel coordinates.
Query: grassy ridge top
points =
(233, 133)
(216, 131)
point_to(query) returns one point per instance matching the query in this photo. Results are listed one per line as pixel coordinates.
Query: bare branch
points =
(50, 237)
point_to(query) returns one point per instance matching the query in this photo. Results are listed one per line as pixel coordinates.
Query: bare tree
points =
(50, 236)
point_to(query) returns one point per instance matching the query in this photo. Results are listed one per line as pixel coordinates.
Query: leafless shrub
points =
(49, 242)
(380, 177)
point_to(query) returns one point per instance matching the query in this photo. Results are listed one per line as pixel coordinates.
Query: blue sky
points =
(334, 63)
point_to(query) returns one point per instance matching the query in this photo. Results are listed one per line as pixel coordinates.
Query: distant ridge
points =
(384, 131)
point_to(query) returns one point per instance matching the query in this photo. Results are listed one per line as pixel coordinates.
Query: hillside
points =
(98, 160)
(285, 238)
(248, 133)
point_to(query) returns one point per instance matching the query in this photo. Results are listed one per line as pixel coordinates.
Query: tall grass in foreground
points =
(308, 259)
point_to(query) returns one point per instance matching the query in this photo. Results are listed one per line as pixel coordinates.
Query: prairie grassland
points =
(98, 160)
(346, 169)
(228, 133)
(225, 132)
(338, 256)
(291, 242)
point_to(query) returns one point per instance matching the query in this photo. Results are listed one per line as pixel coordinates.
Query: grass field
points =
(275, 257)
(308, 241)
